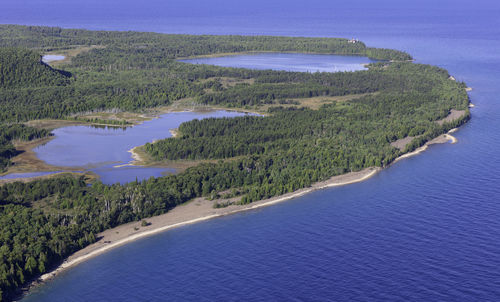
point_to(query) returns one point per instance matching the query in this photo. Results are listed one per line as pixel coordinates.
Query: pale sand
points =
(444, 138)
(174, 132)
(136, 158)
(201, 209)
(197, 210)
(453, 115)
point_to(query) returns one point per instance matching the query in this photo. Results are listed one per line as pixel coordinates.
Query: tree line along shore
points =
(247, 159)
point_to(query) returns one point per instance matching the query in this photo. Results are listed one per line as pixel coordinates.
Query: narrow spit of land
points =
(311, 133)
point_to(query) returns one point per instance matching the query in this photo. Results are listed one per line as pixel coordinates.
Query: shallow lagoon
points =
(101, 149)
(288, 61)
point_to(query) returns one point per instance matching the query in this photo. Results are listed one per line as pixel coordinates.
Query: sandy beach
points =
(201, 209)
(443, 138)
(135, 156)
(174, 132)
(194, 211)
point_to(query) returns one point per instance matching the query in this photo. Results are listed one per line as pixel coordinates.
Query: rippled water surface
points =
(425, 229)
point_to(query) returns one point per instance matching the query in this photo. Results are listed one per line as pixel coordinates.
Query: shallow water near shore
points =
(425, 229)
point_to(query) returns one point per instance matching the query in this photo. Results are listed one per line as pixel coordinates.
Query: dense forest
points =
(130, 70)
(293, 146)
(176, 46)
(24, 68)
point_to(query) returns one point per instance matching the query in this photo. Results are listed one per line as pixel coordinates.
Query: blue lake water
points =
(52, 58)
(288, 61)
(425, 229)
(27, 174)
(102, 149)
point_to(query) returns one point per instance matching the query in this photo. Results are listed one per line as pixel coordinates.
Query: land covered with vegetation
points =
(317, 125)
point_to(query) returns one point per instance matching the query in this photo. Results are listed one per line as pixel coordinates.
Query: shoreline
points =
(200, 209)
(28, 162)
(136, 158)
(442, 139)
(191, 212)
(174, 132)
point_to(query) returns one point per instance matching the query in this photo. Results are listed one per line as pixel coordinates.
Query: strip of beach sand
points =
(194, 211)
(201, 209)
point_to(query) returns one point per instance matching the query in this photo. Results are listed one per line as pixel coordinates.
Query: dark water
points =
(425, 229)
(104, 150)
(288, 61)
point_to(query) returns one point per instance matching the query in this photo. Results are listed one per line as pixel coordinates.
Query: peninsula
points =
(317, 130)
